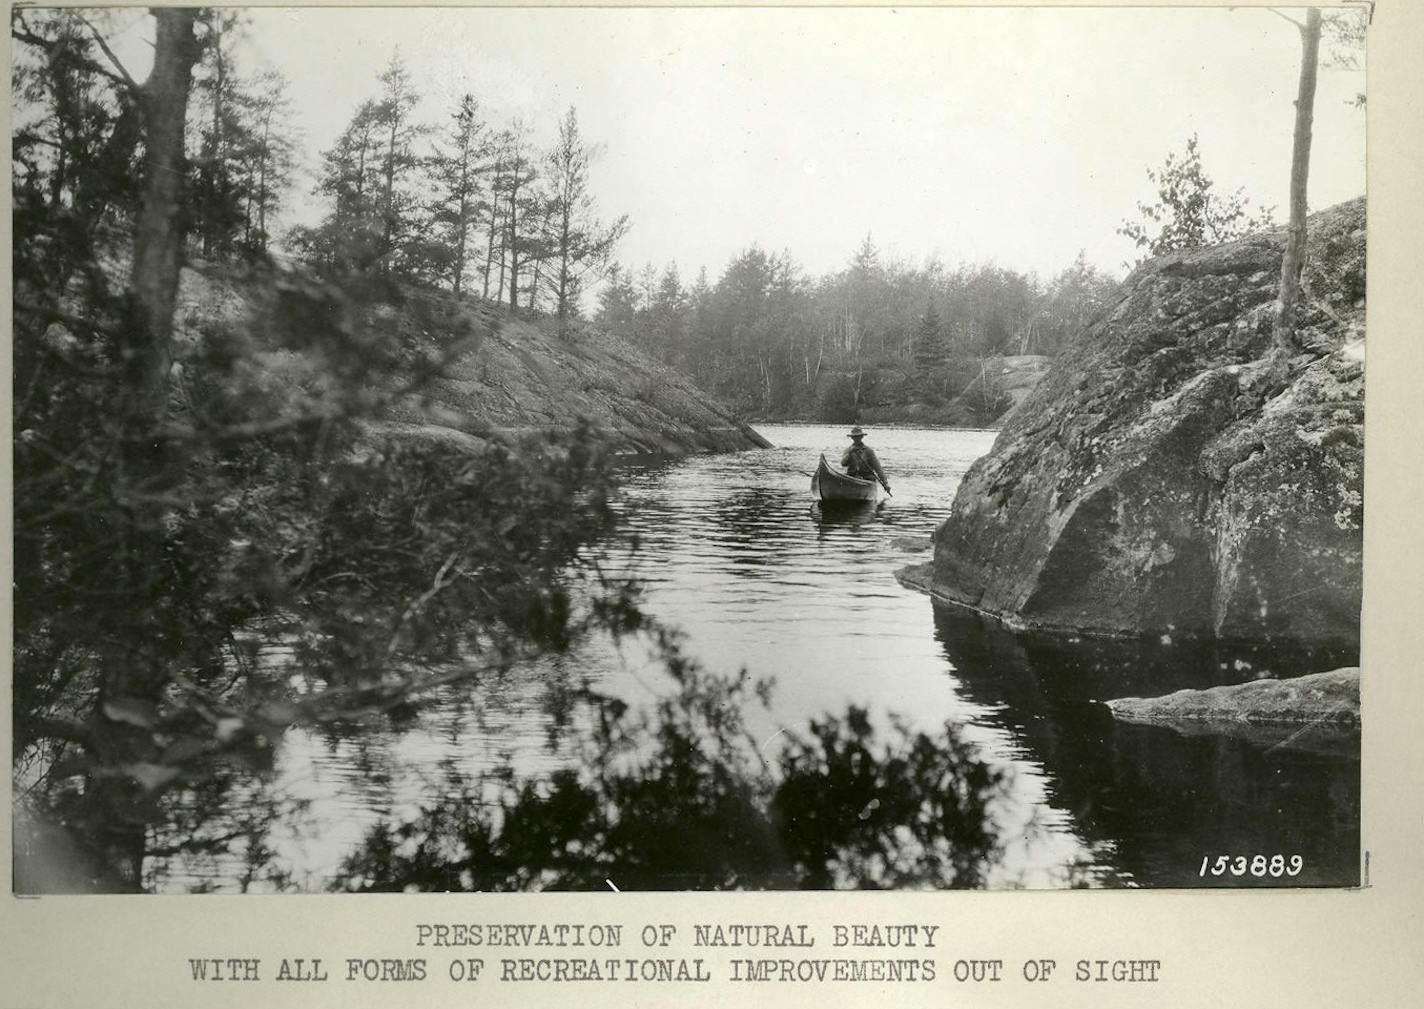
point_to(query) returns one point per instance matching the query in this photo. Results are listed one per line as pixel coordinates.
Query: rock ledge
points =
(1332, 697)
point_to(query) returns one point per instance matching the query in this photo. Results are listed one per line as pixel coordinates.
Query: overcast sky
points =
(1014, 135)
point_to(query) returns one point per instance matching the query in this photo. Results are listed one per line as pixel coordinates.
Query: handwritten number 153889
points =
(1259, 866)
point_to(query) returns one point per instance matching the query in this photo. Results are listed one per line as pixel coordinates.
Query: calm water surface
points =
(734, 552)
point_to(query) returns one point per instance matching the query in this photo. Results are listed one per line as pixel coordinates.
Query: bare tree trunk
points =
(503, 267)
(494, 227)
(565, 241)
(512, 224)
(464, 228)
(211, 234)
(388, 197)
(361, 167)
(158, 237)
(262, 182)
(1294, 260)
(120, 826)
(247, 210)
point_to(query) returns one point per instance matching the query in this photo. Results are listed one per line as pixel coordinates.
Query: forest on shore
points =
(879, 340)
(474, 206)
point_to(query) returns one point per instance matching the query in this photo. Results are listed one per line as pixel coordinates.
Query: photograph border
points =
(1286, 947)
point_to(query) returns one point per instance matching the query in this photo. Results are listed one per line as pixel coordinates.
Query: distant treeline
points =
(875, 339)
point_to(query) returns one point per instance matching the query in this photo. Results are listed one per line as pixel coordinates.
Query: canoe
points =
(830, 484)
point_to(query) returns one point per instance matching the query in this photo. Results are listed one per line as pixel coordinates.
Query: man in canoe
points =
(860, 460)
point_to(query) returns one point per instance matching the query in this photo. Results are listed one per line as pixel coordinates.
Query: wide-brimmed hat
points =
(856, 432)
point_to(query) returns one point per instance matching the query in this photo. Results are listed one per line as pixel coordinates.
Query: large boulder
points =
(1167, 476)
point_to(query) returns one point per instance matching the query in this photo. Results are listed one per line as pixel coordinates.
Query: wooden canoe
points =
(829, 484)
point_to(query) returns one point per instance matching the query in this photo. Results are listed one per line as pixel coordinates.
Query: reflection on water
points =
(732, 550)
(1161, 799)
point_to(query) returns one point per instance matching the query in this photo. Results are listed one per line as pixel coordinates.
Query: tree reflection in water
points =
(1159, 797)
(682, 797)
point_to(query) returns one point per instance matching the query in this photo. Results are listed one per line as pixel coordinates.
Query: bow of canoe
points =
(829, 484)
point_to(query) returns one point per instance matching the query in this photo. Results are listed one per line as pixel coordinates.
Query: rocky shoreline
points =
(1166, 478)
(1174, 475)
(521, 374)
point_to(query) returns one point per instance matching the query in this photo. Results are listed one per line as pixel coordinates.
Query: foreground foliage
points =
(152, 590)
(682, 797)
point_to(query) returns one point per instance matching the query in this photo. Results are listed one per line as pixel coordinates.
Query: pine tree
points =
(618, 302)
(222, 135)
(931, 349)
(397, 134)
(864, 291)
(269, 158)
(367, 174)
(513, 191)
(348, 238)
(580, 245)
(1073, 298)
(457, 169)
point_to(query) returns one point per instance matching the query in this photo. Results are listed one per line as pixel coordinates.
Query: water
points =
(734, 552)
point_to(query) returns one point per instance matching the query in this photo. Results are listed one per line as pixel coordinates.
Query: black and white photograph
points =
(687, 449)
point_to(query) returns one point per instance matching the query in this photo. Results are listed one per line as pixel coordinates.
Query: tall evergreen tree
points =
(368, 174)
(457, 168)
(864, 290)
(930, 347)
(222, 134)
(269, 159)
(580, 245)
(514, 192)
(618, 302)
(398, 134)
(348, 238)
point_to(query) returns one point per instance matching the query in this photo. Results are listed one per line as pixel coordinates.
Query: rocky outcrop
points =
(1319, 712)
(520, 374)
(1003, 384)
(525, 375)
(1166, 478)
(1017, 375)
(1319, 697)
